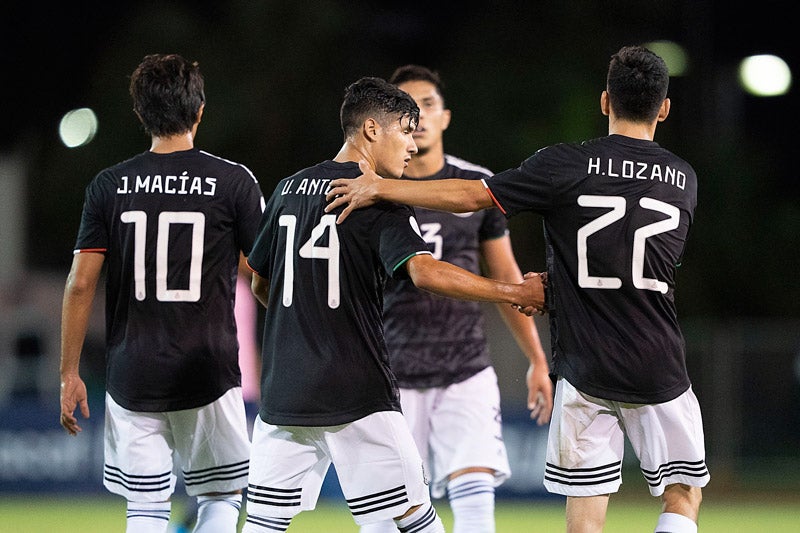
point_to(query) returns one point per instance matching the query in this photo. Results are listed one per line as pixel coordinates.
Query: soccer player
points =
(617, 212)
(329, 395)
(169, 225)
(437, 346)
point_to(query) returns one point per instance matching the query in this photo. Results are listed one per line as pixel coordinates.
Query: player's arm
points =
(453, 195)
(498, 257)
(76, 309)
(260, 288)
(445, 279)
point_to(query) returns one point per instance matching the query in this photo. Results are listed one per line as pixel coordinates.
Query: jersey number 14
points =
(309, 250)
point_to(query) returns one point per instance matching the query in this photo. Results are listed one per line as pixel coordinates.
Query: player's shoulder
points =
(108, 176)
(455, 167)
(133, 161)
(225, 164)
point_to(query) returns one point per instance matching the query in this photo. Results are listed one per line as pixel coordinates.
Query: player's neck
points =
(425, 163)
(352, 153)
(637, 130)
(173, 143)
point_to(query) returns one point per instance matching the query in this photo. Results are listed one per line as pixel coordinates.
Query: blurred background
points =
(519, 75)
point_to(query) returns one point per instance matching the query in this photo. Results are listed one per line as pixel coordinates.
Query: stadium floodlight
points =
(673, 54)
(78, 127)
(765, 75)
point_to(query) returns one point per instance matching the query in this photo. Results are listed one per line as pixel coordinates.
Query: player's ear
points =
(445, 118)
(200, 112)
(605, 105)
(664, 110)
(371, 129)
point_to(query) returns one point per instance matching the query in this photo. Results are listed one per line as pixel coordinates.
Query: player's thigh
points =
(287, 467)
(466, 429)
(585, 445)
(418, 405)
(214, 444)
(138, 454)
(668, 439)
(379, 467)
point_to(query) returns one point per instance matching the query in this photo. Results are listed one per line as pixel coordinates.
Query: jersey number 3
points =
(617, 206)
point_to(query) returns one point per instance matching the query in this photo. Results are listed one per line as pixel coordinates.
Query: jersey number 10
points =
(165, 220)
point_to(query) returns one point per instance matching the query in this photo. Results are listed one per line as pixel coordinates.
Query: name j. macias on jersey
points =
(157, 183)
(627, 169)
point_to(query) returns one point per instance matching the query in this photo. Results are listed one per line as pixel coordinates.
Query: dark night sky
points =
(520, 75)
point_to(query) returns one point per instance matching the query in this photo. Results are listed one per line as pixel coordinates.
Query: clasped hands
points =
(537, 282)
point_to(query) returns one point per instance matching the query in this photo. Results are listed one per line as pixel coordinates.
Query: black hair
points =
(417, 73)
(637, 83)
(376, 98)
(167, 92)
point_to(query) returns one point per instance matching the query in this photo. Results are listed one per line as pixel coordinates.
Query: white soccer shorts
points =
(378, 465)
(212, 443)
(586, 443)
(458, 426)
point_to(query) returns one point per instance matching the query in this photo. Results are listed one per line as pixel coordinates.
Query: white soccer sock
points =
(472, 501)
(675, 523)
(423, 520)
(218, 514)
(384, 526)
(150, 517)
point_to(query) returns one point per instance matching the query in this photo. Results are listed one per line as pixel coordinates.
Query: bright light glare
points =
(765, 75)
(78, 127)
(673, 55)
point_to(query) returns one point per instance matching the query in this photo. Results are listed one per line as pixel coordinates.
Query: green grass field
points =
(52, 514)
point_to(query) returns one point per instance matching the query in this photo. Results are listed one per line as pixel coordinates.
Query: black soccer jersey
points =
(171, 227)
(324, 354)
(435, 341)
(617, 213)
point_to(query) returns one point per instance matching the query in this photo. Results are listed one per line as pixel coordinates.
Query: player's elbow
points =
(79, 284)
(469, 203)
(467, 195)
(423, 271)
(260, 288)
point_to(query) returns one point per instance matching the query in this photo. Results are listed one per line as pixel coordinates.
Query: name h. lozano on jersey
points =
(628, 169)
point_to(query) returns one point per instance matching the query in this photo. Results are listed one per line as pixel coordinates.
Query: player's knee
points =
(409, 512)
(682, 499)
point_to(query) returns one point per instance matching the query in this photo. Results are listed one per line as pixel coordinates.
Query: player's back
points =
(324, 354)
(617, 213)
(172, 226)
(620, 223)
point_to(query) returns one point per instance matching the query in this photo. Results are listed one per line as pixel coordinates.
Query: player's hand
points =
(533, 302)
(540, 393)
(353, 192)
(73, 395)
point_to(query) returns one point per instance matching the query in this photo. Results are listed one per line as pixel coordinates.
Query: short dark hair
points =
(167, 92)
(378, 98)
(637, 83)
(417, 73)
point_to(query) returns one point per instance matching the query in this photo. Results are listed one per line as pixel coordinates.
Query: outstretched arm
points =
(75, 311)
(445, 279)
(453, 195)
